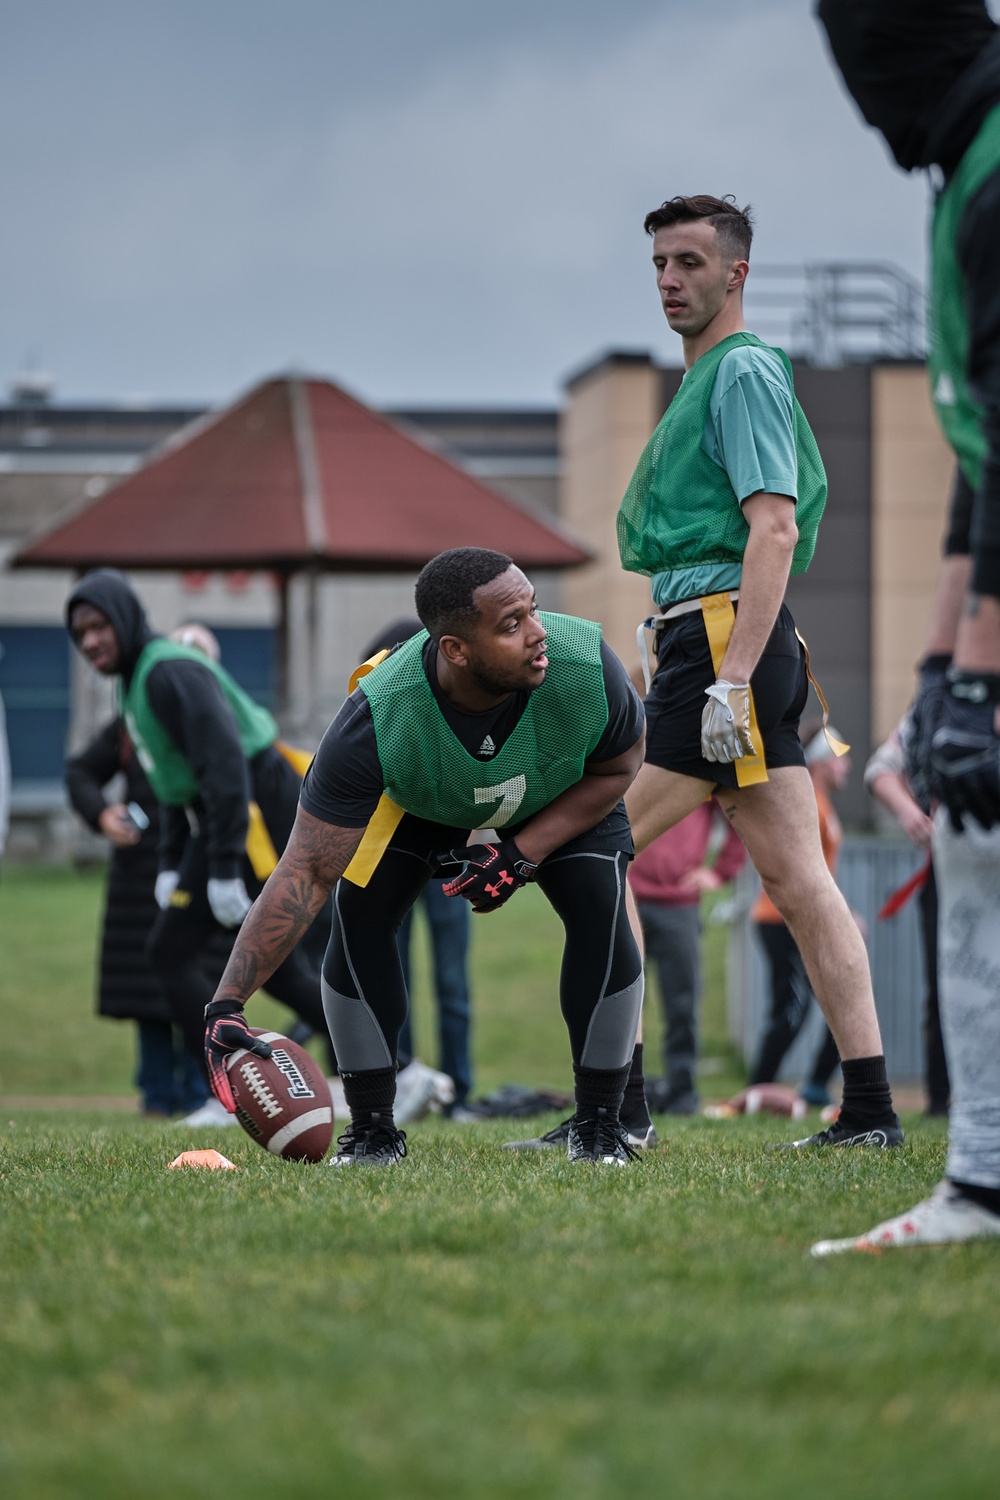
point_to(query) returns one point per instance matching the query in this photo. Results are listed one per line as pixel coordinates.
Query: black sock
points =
(598, 1088)
(867, 1098)
(634, 1109)
(368, 1093)
(988, 1197)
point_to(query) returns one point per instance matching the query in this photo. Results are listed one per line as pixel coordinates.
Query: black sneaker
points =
(842, 1133)
(372, 1145)
(556, 1137)
(599, 1138)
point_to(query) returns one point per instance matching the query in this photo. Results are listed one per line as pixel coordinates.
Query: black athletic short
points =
(676, 699)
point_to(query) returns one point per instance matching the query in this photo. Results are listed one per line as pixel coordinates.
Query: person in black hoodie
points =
(168, 1078)
(926, 74)
(208, 751)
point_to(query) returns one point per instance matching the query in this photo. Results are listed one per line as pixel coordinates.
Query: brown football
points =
(282, 1101)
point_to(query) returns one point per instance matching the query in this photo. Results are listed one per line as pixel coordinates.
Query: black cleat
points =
(372, 1145)
(599, 1138)
(641, 1134)
(843, 1133)
(556, 1137)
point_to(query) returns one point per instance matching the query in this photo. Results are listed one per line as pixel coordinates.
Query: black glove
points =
(965, 750)
(226, 1031)
(490, 875)
(921, 723)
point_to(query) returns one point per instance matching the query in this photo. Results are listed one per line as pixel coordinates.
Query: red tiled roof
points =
(296, 472)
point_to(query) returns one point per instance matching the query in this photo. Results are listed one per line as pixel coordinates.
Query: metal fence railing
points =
(871, 868)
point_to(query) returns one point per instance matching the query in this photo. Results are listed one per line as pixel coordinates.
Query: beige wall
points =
(912, 470)
(609, 414)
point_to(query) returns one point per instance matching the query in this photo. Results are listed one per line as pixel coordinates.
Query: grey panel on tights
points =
(612, 1029)
(357, 1036)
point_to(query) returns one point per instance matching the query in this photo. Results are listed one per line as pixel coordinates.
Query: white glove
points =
(725, 722)
(166, 884)
(229, 901)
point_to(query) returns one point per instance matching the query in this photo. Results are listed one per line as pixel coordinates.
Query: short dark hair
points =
(733, 225)
(446, 586)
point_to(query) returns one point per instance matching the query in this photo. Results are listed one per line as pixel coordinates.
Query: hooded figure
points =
(209, 752)
(926, 73)
(923, 72)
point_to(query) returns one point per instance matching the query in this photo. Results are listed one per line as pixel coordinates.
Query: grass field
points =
(473, 1322)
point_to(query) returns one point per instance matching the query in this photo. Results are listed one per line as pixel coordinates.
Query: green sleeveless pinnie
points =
(680, 509)
(170, 773)
(430, 774)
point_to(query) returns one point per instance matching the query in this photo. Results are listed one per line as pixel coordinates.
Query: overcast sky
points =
(430, 201)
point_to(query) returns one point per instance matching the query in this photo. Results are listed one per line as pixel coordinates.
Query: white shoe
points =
(945, 1218)
(414, 1092)
(420, 1089)
(444, 1091)
(210, 1113)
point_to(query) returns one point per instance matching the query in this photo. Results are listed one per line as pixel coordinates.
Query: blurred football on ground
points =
(282, 1101)
(760, 1099)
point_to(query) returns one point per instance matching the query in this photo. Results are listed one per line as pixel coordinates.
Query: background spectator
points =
(668, 880)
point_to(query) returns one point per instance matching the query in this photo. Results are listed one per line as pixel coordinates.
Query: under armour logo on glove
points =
(226, 1031)
(491, 873)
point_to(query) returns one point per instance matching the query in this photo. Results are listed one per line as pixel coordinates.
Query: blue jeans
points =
(168, 1077)
(448, 920)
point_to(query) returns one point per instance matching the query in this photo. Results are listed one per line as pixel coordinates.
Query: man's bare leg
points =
(778, 822)
(657, 799)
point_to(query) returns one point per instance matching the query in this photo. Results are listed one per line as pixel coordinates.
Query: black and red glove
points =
(490, 875)
(226, 1031)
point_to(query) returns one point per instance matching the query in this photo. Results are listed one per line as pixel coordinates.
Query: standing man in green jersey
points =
(724, 504)
(496, 716)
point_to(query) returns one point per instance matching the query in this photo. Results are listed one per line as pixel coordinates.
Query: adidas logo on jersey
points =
(487, 747)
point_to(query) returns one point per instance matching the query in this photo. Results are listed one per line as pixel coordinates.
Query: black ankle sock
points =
(598, 1088)
(368, 1093)
(867, 1097)
(634, 1108)
(988, 1197)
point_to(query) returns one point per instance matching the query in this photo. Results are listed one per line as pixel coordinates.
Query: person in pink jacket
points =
(668, 880)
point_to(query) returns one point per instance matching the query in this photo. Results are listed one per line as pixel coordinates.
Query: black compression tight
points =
(600, 982)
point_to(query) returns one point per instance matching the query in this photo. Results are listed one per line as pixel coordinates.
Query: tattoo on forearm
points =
(971, 606)
(316, 857)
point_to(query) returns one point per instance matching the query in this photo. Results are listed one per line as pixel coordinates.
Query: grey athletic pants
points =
(967, 867)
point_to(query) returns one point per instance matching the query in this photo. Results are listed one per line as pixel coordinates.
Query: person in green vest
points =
(724, 504)
(494, 717)
(208, 751)
(926, 75)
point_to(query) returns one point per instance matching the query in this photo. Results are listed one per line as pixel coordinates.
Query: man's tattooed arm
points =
(317, 855)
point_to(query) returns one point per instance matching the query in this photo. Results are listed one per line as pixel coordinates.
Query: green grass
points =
(55, 1045)
(473, 1322)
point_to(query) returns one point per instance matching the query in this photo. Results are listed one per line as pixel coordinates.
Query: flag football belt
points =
(387, 816)
(720, 617)
(260, 848)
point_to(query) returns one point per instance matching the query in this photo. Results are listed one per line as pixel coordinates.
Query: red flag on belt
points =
(909, 888)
